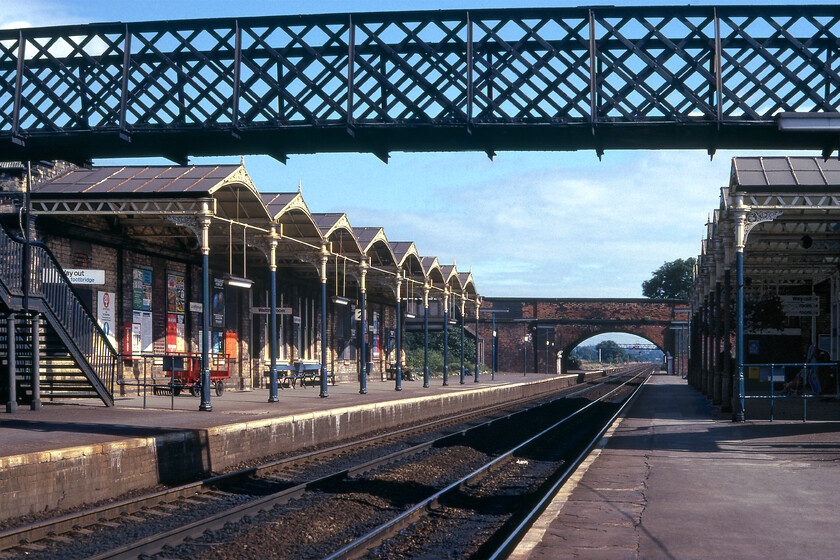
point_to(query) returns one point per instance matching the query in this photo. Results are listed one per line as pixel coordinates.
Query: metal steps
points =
(76, 360)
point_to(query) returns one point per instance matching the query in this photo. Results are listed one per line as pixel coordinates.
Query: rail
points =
(806, 378)
(62, 307)
(358, 547)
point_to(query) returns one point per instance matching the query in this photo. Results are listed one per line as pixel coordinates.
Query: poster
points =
(175, 293)
(144, 319)
(374, 344)
(218, 304)
(135, 338)
(217, 343)
(105, 316)
(175, 333)
(141, 289)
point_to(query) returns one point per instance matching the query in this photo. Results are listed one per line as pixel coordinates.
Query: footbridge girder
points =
(597, 78)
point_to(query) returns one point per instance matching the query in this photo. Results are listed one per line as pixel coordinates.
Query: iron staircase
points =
(76, 358)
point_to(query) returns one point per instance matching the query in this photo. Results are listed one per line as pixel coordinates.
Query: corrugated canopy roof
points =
(785, 173)
(197, 180)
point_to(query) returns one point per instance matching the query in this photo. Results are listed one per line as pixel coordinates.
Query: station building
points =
(125, 259)
(765, 326)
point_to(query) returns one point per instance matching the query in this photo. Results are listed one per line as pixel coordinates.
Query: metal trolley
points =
(185, 372)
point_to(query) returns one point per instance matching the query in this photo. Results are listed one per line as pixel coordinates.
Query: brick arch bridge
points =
(555, 325)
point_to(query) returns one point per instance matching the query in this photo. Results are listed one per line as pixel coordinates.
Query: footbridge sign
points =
(597, 78)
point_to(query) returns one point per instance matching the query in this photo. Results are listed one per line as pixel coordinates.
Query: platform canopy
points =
(790, 209)
(169, 203)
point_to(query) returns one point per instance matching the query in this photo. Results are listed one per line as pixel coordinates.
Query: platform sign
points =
(267, 310)
(105, 316)
(81, 276)
(800, 306)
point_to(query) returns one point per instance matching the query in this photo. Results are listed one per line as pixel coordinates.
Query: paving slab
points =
(677, 480)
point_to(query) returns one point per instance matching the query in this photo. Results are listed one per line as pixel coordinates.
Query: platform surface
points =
(676, 481)
(86, 422)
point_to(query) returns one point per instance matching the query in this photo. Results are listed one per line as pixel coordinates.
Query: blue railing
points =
(805, 384)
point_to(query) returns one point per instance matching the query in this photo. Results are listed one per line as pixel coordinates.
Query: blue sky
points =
(527, 224)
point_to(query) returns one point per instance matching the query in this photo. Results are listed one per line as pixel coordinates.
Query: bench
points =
(288, 375)
(407, 374)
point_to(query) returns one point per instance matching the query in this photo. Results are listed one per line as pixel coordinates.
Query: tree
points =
(611, 352)
(672, 280)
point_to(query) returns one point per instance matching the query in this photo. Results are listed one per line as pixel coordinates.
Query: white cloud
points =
(594, 231)
(36, 13)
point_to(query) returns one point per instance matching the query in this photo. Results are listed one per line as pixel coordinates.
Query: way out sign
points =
(800, 306)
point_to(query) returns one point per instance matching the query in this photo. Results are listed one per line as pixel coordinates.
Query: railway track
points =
(220, 504)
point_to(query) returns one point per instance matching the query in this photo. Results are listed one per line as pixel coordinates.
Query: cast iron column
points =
(36, 362)
(426, 335)
(493, 357)
(718, 379)
(205, 311)
(272, 313)
(398, 375)
(740, 241)
(726, 390)
(363, 268)
(446, 336)
(477, 307)
(325, 255)
(11, 403)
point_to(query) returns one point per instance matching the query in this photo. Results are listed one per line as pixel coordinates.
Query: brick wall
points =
(565, 323)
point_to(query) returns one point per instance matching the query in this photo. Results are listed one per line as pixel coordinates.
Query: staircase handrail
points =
(67, 282)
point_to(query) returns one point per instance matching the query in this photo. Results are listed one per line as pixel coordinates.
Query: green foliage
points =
(415, 354)
(587, 353)
(672, 280)
(611, 352)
